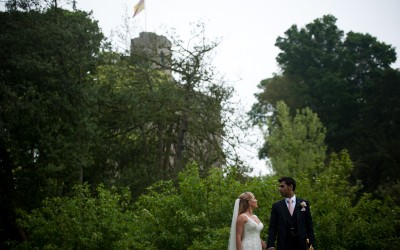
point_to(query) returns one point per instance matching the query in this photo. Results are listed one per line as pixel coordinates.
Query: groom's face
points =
(285, 190)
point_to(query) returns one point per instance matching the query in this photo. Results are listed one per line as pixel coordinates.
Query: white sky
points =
(248, 30)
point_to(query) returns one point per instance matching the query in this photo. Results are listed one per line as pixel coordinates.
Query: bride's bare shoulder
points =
(242, 217)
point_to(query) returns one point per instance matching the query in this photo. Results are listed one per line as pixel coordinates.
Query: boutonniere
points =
(303, 206)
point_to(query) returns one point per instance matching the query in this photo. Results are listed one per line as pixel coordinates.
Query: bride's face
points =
(253, 202)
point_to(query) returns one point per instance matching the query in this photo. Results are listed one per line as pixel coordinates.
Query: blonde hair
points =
(244, 201)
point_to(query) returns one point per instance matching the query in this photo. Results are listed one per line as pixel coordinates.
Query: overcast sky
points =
(248, 30)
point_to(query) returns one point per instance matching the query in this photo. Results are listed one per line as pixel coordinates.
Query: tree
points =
(294, 145)
(47, 128)
(138, 112)
(202, 106)
(339, 77)
(376, 146)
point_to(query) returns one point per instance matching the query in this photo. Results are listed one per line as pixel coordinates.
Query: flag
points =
(138, 7)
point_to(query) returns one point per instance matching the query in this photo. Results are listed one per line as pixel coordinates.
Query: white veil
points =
(232, 237)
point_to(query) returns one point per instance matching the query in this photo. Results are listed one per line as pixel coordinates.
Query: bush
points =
(196, 212)
(82, 221)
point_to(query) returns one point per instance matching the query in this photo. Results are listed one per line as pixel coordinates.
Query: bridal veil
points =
(232, 236)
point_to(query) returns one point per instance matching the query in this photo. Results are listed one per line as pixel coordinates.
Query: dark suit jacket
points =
(278, 227)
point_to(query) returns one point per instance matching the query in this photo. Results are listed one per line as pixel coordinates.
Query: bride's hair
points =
(244, 201)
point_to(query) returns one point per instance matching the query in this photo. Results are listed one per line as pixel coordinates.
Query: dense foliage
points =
(196, 213)
(47, 129)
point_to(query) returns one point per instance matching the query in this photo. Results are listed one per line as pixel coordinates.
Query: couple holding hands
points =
(290, 222)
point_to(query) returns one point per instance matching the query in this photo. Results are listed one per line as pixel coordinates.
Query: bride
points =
(245, 227)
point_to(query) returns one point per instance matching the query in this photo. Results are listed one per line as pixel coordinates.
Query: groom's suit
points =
(291, 232)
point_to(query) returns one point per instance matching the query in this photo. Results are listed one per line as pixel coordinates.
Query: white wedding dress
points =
(251, 235)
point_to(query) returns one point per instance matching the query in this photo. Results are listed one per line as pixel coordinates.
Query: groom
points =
(290, 220)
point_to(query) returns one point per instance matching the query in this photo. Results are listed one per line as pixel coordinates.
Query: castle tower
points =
(152, 48)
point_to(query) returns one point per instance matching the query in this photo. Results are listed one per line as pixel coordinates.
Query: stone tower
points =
(153, 48)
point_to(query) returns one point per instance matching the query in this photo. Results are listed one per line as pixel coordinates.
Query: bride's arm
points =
(263, 244)
(239, 230)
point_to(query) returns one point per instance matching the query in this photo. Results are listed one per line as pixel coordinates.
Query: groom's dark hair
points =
(289, 181)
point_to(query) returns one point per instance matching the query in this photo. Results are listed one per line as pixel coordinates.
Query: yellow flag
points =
(138, 7)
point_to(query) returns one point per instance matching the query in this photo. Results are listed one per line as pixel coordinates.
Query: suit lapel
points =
(297, 208)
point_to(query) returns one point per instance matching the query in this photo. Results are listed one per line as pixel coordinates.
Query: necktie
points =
(291, 208)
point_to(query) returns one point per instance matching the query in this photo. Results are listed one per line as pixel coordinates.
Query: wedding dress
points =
(251, 235)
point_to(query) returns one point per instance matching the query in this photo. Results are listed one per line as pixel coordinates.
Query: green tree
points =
(375, 148)
(294, 145)
(340, 215)
(138, 113)
(47, 127)
(341, 78)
